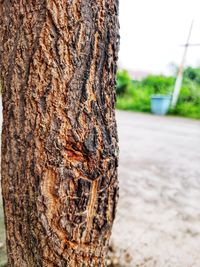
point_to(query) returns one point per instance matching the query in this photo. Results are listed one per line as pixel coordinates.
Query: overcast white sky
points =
(153, 30)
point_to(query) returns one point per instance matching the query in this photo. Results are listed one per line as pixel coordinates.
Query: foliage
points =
(192, 74)
(158, 84)
(137, 95)
(123, 82)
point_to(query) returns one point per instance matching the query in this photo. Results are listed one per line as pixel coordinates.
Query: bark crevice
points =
(59, 139)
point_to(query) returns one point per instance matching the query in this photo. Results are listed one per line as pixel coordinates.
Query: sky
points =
(152, 32)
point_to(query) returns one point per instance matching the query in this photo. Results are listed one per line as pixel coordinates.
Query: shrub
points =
(123, 82)
(159, 84)
(136, 95)
(192, 74)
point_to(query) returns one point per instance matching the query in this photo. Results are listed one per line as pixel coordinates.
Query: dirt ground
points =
(158, 218)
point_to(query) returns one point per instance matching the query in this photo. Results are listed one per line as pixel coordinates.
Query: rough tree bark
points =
(59, 140)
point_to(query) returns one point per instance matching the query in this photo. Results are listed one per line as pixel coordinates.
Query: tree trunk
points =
(59, 140)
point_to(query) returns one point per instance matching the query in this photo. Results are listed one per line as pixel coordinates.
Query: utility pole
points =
(179, 78)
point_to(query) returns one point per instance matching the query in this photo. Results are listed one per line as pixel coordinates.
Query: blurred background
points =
(158, 112)
(152, 32)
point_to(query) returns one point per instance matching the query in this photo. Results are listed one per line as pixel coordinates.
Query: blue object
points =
(160, 104)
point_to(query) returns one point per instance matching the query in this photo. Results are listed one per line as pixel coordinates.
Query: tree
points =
(59, 140)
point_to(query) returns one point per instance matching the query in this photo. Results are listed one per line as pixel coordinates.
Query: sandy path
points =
(158, 218)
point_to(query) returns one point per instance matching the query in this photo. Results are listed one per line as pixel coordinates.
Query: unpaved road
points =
(158, 219)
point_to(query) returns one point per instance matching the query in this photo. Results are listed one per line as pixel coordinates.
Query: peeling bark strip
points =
(59, 141)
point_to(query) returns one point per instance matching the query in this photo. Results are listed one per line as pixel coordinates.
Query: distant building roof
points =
(138, 75)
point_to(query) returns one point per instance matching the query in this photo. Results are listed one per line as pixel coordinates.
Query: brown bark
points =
(59, 140)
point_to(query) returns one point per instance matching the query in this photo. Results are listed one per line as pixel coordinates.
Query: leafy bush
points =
(136, 95)
(159, 84)
(192, 74)
(123, 82)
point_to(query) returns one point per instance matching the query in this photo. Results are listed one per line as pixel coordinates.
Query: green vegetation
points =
(136, 95)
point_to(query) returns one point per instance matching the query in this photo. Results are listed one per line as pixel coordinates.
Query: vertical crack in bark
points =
(91, 211)
(80, 40)
(91, 80)
(47, 189)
